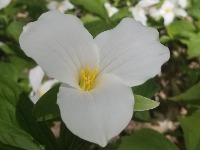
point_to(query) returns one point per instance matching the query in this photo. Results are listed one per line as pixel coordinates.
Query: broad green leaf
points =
(6, 49)
(46, 107)
(194, 10)
(19, 63)
(191, 130)
(165, 39)
(147, 89)
(194, 46)
(122, 13)
(198, 24)
(9, 95)
(192, 95)
(89, 18)
(15, 29)
(93, 6)
(39, 130)
(14, 136)
(146, 139)
(9, 147)
(181, 30)
(69, 141)
(97, 26)
(142, 116)
(143, 103)
(8, 70)
(14, 66)
(11, 132)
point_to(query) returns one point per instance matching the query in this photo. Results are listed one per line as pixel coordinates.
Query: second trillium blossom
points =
(39, 88)
(4, 3)
(60, 6)
(95, 97)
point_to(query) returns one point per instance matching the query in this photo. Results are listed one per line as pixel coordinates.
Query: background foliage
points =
(173, 125)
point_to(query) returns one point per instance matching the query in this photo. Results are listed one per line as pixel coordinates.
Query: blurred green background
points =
(173, 125)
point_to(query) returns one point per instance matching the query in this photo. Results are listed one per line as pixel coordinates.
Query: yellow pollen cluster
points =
(167, 10)
(87, 79)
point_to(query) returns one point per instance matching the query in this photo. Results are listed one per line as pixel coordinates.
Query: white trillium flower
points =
(36, 76)
(139, 14)
(4, 3)
(140, 10)
(181, 3)
(147, 3)
(61, 6)
(168, 11)
(95, 97)
(110, 9)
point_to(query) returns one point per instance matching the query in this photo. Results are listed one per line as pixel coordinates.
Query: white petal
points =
(47, 85)
(34, 96)
(100, 114)
(52, 5)
(61, 45)
(154, 12)
(66, 5)
(139, 14)
(167, 5)
(36, 76)
(180, 12)
(182, 3)
(4, 3)
(110, 9)
(131, 51)
(168, 18)
(147, 3)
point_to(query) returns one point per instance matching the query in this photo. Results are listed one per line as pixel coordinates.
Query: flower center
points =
(87, 79)
(41, 92)
(167, 10)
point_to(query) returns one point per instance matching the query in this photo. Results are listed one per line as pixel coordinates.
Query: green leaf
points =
(143, 103)
(146, 139)
(8, 70)
(6, 49)
(142, 116)
(198, 24)
(19, 63)
(9, 147)
(165, 39)
(69, 141)
(147, 89)
(11, 132)
(194, 10)
(192, 95)
(39, 130)
(122, 13)
(9, 95)
(181, 30)
(93, 6)
(46, 107)
(14, 136)
(97, 26)
(15, 29)
(194, 46)
(191, 130)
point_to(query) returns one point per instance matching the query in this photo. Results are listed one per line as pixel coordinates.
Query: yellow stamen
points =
(87, 79)
(41, 92)
(166, 10)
